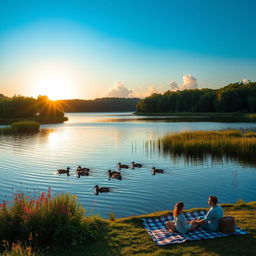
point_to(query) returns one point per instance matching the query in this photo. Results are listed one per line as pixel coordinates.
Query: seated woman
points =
(180, 224)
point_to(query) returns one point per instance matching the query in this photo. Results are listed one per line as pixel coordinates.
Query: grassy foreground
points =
(56, 226)
(127, 237)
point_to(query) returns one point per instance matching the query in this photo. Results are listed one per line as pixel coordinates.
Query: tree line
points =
(100, 105)
(235, 97)
(28, 107)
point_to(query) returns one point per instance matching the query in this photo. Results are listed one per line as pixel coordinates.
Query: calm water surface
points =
(99, 141)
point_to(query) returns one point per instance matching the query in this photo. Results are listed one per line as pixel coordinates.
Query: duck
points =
(82, 171)
(62, 171)
(120, 166)
(114, 175)
(136, 165)
(101, 189)
(154, 170)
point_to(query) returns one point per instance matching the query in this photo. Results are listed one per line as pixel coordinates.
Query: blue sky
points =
(143, 45)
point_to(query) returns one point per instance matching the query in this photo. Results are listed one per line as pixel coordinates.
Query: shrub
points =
(46, 220)
(25, 126)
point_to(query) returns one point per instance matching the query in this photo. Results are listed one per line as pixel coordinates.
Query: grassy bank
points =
(127, 237)
(21, 127)
(68, 232)
(233, 144)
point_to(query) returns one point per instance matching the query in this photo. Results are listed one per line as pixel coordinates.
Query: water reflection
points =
(87, 141)
(153, 147)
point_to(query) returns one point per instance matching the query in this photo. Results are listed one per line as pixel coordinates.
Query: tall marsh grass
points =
(46, 220)
(21, 127)
(227, 143)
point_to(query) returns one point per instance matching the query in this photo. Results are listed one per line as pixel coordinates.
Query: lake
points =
(99, 141)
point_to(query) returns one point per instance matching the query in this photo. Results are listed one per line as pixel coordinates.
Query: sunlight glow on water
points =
(99, 141)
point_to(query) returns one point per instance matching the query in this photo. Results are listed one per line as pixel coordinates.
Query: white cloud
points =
(245, 81)
(189, 82)
(150, 91)
(173, 86)
(119, 90)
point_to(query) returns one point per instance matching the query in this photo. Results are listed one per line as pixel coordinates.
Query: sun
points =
(59, 80)
(55, 86)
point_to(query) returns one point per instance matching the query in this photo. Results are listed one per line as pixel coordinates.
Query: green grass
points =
(21, 127)
(127, 237)
(233, 144)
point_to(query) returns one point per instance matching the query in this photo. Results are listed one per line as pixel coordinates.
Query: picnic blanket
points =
(157, 230)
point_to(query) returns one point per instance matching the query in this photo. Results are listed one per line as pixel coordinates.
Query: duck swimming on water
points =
(64, 171)
(136, 165)
(154, 170)
(101, 189)
(114, 175)
(82, 171)
(124, 166)
(79, 168)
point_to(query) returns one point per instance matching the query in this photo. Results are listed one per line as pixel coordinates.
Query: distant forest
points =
(236, 97)
(27, 107)
(100, 105)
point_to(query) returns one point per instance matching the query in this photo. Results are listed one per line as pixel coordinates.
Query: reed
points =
(226, 143)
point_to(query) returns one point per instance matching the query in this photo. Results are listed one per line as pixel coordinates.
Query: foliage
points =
(46, 220)
(17, 249)
(99, 105)
(232, 98)
(27, 107)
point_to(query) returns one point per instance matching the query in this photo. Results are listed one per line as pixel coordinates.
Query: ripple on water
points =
(30, 163)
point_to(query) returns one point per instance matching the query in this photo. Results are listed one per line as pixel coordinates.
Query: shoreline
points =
(46, 120)
(127, 237)
(199, 114)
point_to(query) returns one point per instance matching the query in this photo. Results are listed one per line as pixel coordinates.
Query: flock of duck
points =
(111, 174)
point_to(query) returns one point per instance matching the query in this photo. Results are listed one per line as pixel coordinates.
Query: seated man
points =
(211, 221)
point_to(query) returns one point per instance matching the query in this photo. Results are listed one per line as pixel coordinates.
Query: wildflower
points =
(30, 236)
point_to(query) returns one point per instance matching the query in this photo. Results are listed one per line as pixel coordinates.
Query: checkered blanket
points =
(160, 234)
